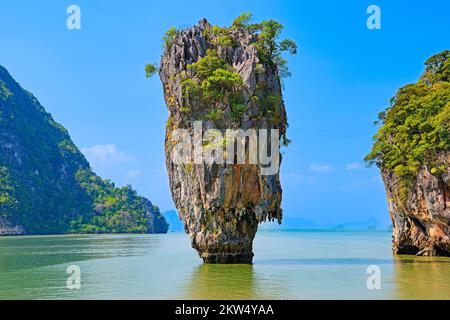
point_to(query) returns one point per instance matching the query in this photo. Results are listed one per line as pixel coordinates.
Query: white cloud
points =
(354, 166)
(107, 154)
(320, 167)
(132, 174)
(292, 179)
(313, 181)
(295, 176)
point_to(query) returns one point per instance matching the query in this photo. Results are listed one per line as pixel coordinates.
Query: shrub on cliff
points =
(416, 127)
(214, 80)
(169, 36)
(150, 69)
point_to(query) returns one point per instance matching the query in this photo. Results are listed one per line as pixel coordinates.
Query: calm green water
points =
(287, 265)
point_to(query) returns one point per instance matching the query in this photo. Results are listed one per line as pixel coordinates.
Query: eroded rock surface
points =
(422, 223)
(221, 204)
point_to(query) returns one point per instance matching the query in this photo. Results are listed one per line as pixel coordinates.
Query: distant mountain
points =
(175, 224)
(47, 185)
(305, 224)
(366, 225)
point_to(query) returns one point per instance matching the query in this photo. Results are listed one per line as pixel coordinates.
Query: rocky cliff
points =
(422, 221)
(46, 184)
(412, 149)
(227, 78)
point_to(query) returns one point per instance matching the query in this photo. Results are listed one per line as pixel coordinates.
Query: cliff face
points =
(412, 150)
(46, 184)
(422, 222)
(221, 204)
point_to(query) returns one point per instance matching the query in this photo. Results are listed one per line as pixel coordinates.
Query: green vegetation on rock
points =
(269, 48)
(214, 115)
(214, 81)
(46, 184)
(169, 37)
(415, 129)
(150, 69)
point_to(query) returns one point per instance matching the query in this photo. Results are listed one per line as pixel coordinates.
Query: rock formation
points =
(422, 223)
(47, 185)
(412, 149)
(221, 204)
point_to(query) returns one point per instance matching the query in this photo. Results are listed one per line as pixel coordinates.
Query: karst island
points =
(227, 121)
(412, 149)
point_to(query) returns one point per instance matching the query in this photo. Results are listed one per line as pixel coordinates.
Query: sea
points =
(287, 265)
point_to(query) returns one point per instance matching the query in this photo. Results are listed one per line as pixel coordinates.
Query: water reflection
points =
(32, 267)
(325, 261)
(287, 266)
(217, 281)
(422, 277)
(23, 252)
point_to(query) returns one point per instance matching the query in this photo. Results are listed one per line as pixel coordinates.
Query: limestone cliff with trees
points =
(412, 149)
(228, 78)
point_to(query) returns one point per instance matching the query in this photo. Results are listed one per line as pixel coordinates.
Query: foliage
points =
(214, 81)
(46, 184)
(169, 122)
(7, 200)
(225, 41)
(220, 83)
(214, 115)
(191, 90)
(119, 209)
(169, 36)
(437, 68)
(269, 48)
(288, 45)
(416, 128)
(286, 141)
(4, 90)
(237, 106)
(150, 70)
(282, 66)
(220, 36)
(271, 102)
(269, 32)
(205, 66)
(242, 21)
(217, 31)
(185, 109)
(67, 146)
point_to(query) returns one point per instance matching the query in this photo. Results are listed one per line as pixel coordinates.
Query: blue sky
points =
(92, 81)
